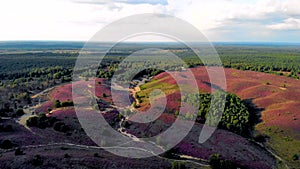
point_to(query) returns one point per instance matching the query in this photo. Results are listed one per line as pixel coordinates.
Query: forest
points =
(24, 71)
(235, 118)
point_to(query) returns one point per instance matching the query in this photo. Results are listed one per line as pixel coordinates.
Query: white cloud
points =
(61, 19)
(41, 20)
(240, 20)
(288, 24)
(291, 8)
(218, 19)
(152, 2)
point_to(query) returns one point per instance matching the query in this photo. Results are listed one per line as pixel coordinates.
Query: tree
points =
(41, 121)
(284, 85)
(66, 104)
(20, 112)
(37, 160)
(178, 165)
(176, 113)
(32, 121)
(61, 127)
(19, 152)
(295, 157)
(236, 117)
(67, 155)
(134, 105)
(96, 155)
(57, 104)
(217, 163)
(214, 161)
(6, 144)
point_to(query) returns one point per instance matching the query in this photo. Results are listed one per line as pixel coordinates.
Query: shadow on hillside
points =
(255, 113)
(213, 86)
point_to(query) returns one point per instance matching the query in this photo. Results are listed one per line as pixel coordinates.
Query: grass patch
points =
(284, 145)
(148, 87)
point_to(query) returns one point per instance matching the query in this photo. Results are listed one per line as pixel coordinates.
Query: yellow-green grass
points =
(148, 87)
(283, 143)
(166, 87)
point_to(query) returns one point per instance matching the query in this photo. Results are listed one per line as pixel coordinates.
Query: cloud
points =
(288, 24)
(220, 20)
(291, 8)
(218, 13)
(241, 20)
(134, 2)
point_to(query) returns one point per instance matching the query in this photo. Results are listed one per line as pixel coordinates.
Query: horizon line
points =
(81, 41)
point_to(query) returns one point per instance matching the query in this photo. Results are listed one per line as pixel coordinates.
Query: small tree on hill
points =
(57, 104)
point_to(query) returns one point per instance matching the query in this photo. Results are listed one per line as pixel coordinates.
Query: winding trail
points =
(272, 153)
(179, 157)
(70, 145)
(28, 112)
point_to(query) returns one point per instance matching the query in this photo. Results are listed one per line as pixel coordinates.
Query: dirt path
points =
(133, 92)
(29, 111)
(77, 146)
(273, 154)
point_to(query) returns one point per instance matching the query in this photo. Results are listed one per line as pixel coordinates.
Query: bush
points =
(64, 148)
(295, 157)
(41, 121)
(126, 124)
(61, 127)
(49, 109)
(260, 138)
(135, 105)
(178, 165)
(6, 128)
(66, 104)
(217, 163)
(67, 155)
(32, 121)
(96, 155)
(6, 144)
(20, 112)
(57, 104)
(214, 161)
(19, 152)
(37, 160)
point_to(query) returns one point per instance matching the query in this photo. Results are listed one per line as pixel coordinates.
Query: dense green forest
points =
(33, 68)
(28, 64)
(235, 118)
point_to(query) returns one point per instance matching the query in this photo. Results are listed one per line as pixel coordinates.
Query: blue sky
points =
(219, 20)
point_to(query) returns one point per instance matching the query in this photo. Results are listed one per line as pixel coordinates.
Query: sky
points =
(218, 20)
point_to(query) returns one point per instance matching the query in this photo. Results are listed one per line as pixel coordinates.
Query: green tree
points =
(57, 104)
